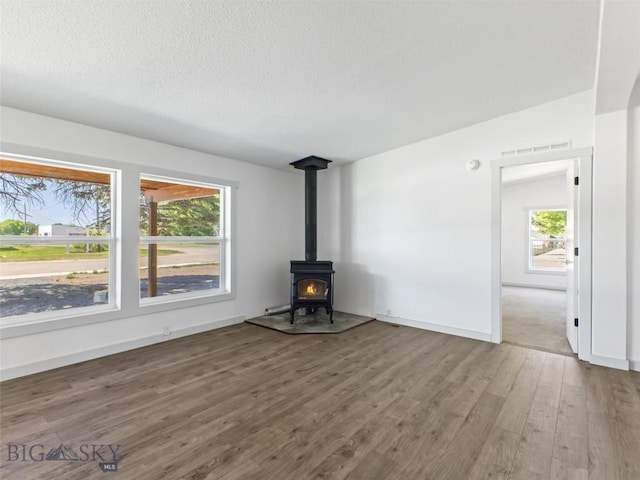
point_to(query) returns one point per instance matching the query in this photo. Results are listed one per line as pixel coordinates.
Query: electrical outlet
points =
(167, 331)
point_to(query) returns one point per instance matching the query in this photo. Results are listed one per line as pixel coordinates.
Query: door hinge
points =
(575, 322)
(576, 180)
(575, 251)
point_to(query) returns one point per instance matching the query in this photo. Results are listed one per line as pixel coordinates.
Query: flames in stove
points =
(312, 289)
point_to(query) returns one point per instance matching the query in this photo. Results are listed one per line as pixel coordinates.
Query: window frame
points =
(529, 268)
(125, 188)
(222, 239)
(109, 240)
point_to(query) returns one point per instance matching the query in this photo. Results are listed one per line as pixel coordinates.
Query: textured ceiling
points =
(272, 82)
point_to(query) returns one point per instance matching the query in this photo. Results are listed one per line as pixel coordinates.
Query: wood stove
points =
(312, 286)
(311, 279)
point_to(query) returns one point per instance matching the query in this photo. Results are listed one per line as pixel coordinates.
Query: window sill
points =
(11, 327)
(162, 304)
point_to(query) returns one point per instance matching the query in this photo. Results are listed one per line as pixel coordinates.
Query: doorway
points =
(534, 259)
(539, 277)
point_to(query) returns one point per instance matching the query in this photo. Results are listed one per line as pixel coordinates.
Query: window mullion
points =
(163, 239)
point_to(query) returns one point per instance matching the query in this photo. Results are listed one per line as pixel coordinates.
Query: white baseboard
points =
(609, 362)
(434, 327)
(634, 365)
(43, 365)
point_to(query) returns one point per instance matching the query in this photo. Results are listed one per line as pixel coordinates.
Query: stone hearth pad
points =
(315, 323)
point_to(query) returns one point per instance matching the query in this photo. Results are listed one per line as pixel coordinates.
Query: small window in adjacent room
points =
(547, 240)
(183, 239)
(56, 240)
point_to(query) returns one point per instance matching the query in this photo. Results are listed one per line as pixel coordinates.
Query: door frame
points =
(584, 157)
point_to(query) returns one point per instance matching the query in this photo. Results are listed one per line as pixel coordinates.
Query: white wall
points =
(613, 205)
(517, 199)
(410, 229)
(609, 267)
(265, 242)
(633, 232)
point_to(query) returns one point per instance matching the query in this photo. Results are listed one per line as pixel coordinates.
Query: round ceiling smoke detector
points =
(473, 165)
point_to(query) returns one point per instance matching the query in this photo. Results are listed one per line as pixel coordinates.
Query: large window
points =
(182, 239)
(56, 240)
(68, 242)
(546, 240)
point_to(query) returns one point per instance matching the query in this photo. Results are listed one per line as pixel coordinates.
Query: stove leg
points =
(331, 315)
(293, 312)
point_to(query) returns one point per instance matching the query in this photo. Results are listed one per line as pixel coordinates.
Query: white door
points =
(571, 242)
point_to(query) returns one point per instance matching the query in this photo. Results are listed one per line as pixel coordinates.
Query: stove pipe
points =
(311, 165)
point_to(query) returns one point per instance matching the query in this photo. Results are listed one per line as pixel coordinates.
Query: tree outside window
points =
(547, 229)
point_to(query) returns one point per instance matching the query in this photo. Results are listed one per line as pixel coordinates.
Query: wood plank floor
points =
(376, 402)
